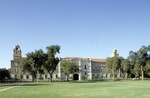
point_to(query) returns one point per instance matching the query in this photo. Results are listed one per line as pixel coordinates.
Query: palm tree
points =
(51, 61)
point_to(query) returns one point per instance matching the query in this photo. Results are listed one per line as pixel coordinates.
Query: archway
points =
(75, 77)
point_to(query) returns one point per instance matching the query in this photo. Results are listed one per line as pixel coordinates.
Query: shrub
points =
(70, 77)
(83, 77)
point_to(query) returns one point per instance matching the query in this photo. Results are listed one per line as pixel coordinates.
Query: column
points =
(59, 70)
(90, 69)
(80, 70)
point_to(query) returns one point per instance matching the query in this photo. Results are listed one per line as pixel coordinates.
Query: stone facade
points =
(90, 68)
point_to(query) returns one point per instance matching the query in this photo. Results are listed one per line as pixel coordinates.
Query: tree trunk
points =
(126, 75)
(32, 78)
(37, 76)
(142, 72)
(51, 77)
(67, 78)
(113, 75)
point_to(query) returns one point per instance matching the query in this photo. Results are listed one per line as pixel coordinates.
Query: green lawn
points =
(118, 89)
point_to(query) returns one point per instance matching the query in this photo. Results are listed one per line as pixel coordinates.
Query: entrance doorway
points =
(75, 77)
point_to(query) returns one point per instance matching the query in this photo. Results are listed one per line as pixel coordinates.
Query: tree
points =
(136, 69)
(147, 67)
(113, 64)
(109, 64)
(133, 58)
(51, 61)
(125, 67)
(4, 74)
(142, 54)
(34, 63)
(69, 68)
(138, 60)
(27, 67)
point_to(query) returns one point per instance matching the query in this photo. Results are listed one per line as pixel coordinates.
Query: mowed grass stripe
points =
(3, 89)
(121, 89)
(4, 86)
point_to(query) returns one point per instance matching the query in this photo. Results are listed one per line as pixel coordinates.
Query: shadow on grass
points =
(91, 81)
(35, 84)
(8, 85)
(23, 84)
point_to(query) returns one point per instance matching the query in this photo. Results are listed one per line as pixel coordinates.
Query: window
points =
(93, 76)
(27, 77)
(97, 75)
(45, 76)
(85, 67)
(15, 69)
(85, 73)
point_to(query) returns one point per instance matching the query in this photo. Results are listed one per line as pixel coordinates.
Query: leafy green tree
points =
(4, 74)
(51, 61)
(69, 68)
(142, 55)
(113, 64)
(136, 69)
(35, 62)
(147, 68)
(27, 67)
(38, 58)
(125, 67)
(138, 60)
(109, 62)
(133, 58)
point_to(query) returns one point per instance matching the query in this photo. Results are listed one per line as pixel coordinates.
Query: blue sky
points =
(83, 28)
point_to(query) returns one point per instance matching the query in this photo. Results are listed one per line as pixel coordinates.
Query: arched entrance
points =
(75, 77)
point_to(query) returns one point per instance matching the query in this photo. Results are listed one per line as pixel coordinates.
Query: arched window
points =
(45, 76)
(27, 77)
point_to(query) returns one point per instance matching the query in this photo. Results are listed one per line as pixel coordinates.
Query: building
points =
(90, 68)
(114, 53)
(17, 57)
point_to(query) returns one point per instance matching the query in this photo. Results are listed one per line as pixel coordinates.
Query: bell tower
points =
(114, 53)
(17, 54)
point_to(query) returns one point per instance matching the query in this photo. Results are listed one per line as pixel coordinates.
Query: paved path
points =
(10, 87)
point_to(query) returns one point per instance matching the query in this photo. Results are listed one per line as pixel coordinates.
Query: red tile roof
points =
(92, 59)
(98, 60)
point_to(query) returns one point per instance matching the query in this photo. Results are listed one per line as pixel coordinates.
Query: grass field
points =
(118, 89)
